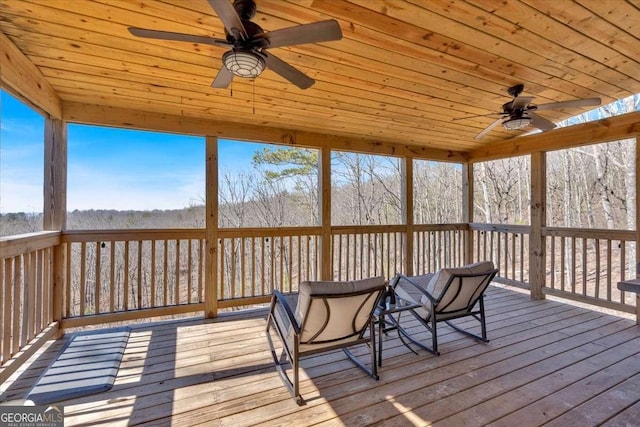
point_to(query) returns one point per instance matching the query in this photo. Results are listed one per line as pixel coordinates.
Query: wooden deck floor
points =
(548, 363)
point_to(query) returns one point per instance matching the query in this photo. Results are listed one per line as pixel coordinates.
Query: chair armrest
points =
(408, 280)
(279, 298)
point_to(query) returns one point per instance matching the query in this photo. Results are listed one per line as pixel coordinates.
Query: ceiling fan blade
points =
(540, 122)
(477, 115)
(229, 17)
(287, 71)
(486, 130)
(316, 32)
(223, 78)
(168, 35)
(586, 102)
(521, 102)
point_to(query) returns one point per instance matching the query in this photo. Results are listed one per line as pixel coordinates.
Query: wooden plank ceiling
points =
(403, 71)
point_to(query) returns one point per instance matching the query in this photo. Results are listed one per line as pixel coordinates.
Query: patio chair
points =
(449, 294)
(321, 317)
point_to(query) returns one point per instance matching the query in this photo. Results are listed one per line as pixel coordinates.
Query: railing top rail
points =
(132, 234)
(269, 231)
(505, 228)
(590, 233)
(354, 229)
(441, 227)
(24, 243)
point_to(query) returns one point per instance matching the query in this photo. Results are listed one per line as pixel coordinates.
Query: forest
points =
(587, 187)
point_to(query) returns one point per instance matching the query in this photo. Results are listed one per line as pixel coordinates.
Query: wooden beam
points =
(467, 210)
(55, 175)
(127, 118)
(55, 206)
(22, 78)
(610, 129)
(407, 213)
(211, 260)
(637, 225)
(325, 215)
(537, 244)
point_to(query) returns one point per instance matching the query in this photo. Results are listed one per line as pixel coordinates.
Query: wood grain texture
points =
(403, 73)
(547, 362)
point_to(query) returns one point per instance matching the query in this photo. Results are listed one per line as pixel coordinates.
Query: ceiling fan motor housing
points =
(246, 9)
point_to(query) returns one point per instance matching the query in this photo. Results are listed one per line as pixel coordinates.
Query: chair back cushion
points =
(455, 292)
(332, 312)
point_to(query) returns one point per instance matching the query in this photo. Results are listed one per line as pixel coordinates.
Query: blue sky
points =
(107, 168)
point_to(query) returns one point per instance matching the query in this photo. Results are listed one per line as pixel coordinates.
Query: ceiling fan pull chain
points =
(254, 97)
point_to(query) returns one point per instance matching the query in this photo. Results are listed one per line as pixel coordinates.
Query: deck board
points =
(547, 362)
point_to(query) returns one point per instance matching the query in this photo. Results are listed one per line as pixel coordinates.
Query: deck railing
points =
(581, 264)
(358, 252)
(114, 275)
(438, 246)
(508, 247)
(586, 265)
(252, 262)
(26, 294)
(121, 275)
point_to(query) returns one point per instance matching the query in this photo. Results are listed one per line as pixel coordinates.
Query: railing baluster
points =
(262, 266)
(253, 266)
(176, 289)
(232, 271)
(609, 270)
(97, 281)
(597, 288)
(10, 298)
(152, 279)
(189, 278)
(39, 291)
(18, 301)
(585, 266)
(83, 277)
(553, 262)
(623, 266)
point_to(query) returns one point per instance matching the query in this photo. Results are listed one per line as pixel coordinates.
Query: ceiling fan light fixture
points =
(516, 123)
(243, 63)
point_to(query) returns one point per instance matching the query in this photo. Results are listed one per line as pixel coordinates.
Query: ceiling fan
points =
(248, 43)
(519, 112)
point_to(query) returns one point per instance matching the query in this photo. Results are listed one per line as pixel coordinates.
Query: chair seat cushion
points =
(435, 284)
(411, 294)
(438, 282)
(332, 319)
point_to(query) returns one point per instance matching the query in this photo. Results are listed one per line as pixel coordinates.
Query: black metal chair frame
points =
(291, 356)
(436, 309)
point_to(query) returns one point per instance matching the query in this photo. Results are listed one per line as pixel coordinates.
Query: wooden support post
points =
(537, 245)
(211, 233)
(637, 226)
(467, 210)
(55, 208)
(55, 175)
(407, 215)
(326, 272)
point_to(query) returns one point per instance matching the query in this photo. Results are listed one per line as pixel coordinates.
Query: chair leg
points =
(479, 316)
(296, 375)
(483, 323)
(280, 361)
(434, 334)
(372, 349)
(373, 372)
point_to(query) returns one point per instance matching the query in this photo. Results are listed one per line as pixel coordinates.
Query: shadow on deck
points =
(547, 362)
